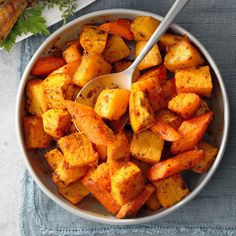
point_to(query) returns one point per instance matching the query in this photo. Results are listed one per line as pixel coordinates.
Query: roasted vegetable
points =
(116, 49)
(46, 65)
(55, 87)
(170, 118)
(74, 193)
(143, 27)
(121, 28)
(174, 165)
(192, 131)
(92, 39)
(182, 55)
(101, 194)
(194, 80)
(153, 203)
(56, 122)
(168, 40)
(68, 69)
(126, 183)
(92, 65)
(112, 103)
(147, 147)
(35, 137)
(67, 175)
(72, 53)
(90, 123)
(171, 190)
(210, 153)
(102, 176)
(118, 153)
(164, 131)
(141, 114)
(78, 150)
(153, 58)
(53, 158)
(36, 101)
(132, 207)
(185, 104)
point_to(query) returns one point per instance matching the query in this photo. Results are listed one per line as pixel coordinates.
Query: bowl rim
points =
(114, 221)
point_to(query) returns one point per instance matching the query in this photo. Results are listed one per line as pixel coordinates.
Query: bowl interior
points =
(90, 208)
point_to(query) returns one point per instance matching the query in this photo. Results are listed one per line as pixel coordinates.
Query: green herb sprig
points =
(32, 21)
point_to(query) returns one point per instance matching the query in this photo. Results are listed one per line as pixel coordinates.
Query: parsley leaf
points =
(31, 21)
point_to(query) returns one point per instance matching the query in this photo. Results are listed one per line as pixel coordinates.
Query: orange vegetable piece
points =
(174, 165)
(90, 123)
(192, 131)
(121, 27)
(164, 131)
(132, 207)
(46, 65)
(101, 194)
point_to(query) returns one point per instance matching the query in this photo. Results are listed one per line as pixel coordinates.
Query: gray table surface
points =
(10, 159)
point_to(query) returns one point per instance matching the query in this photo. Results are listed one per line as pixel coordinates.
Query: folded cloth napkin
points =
(213, 211)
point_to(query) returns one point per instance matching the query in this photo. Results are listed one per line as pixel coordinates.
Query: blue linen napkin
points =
(213, 211)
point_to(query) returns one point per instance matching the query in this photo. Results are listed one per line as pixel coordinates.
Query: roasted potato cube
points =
(123, 65)
(102, 152)
(147, 86)
(118, 153)
(46, 65)
(92, 39)
(194, 80)
(192, 131)
(170, 118)
(116, 49)
(53, 158)
(147, 147)
(74, 193)
(210, 153)
(72, 92)
(168, 40)
(68, 175)
(153, 58)
(55, 87)
(143, 27)
(126, 183)
(132, 207)
(185, 104)
(158, 72)
(72, 52)
(204, 108)
(182, 55)
(35, 137)
(171, 190)
(164, 131)
(68, 69)
(101, 194)
(174, 165)
(102, 176)
(56, 122)
(92, 65)
(120, 27)
(141, 114)
(36, 102)
(78, 150)
(153, 203)
(112, 103)
(90, 123)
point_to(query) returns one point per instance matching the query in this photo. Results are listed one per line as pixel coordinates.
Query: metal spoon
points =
(89, 93)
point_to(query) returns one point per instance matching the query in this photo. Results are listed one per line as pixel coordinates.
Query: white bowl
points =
(90, 209)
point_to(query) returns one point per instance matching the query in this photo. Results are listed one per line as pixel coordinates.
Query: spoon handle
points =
(161, 29)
